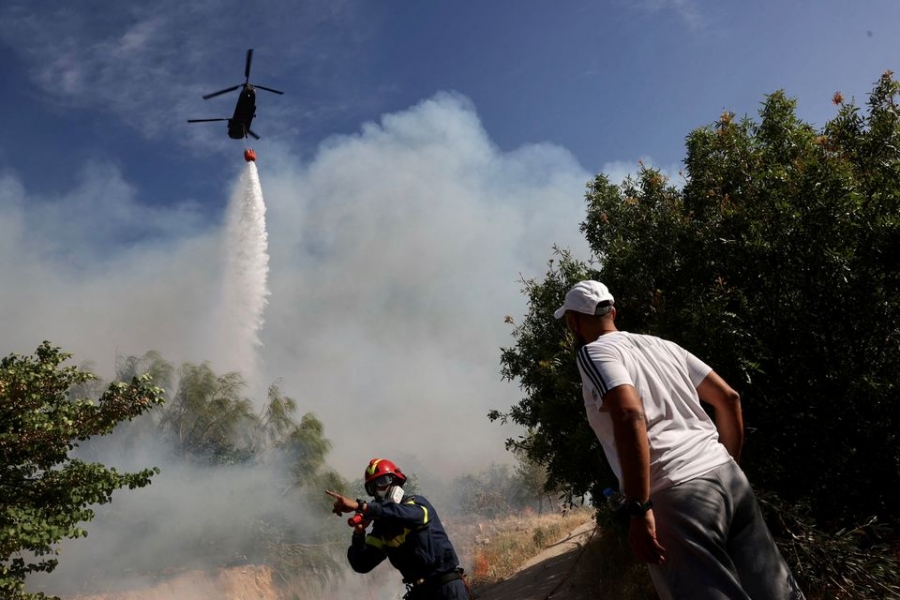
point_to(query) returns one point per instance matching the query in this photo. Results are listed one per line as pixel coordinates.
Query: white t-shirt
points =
(684, 442)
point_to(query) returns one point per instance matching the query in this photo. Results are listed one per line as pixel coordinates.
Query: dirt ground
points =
(561, 572)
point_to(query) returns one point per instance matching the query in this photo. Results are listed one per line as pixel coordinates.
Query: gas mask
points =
(383, 488)
(390, 493)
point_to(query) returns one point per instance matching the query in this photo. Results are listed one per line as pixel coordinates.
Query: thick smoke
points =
(399, 253)
(395, 256)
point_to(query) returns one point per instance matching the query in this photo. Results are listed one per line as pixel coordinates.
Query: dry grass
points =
(502, 546)
(493, 550)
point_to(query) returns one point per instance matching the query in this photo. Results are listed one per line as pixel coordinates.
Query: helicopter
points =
(245, 109)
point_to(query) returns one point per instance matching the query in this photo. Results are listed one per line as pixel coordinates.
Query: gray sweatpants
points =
(717, 544)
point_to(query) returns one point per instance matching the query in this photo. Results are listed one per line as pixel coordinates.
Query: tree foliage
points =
(492, 493)
(210, 423)
(208, 419)
(45, 494)
(532, 479)
(775, 262)
(552, 410)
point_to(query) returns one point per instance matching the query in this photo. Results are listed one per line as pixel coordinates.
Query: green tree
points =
(531, 479)
(45, 494)
(775, 262)
(208, 419)
(552, 409)
(490, 493)
(211, 424)
(152, 363)
(299, 551)
(304, 452)
(276, 421)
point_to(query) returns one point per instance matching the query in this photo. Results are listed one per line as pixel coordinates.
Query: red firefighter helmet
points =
(382, 468)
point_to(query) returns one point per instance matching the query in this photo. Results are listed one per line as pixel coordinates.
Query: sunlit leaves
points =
(44, 494)
(776, 263)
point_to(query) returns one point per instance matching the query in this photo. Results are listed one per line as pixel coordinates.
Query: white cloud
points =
(687, 10)
(147, 65)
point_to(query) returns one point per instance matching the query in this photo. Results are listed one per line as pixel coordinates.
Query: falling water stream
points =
(245, 293)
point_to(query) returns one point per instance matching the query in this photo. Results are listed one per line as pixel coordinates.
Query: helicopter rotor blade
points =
(220, 92)
(247, 67)
(204, 120)
(262, 87)
(256, 137)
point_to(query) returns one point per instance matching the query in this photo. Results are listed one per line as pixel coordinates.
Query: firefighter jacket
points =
(409, 534)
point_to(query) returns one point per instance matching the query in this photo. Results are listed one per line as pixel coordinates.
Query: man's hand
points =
(342, 504)
(360, 529)
(642, 536)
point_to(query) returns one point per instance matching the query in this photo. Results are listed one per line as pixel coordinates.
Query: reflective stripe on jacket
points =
(409, 534)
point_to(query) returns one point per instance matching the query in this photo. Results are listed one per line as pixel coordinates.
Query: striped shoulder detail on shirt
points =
(590, 369)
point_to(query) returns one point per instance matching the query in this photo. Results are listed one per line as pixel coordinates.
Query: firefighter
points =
(407, 531)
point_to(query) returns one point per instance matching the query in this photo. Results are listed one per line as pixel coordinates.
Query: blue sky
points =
(424, 157)
(609, 81)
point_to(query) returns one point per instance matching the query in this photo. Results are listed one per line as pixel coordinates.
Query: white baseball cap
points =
(588, 297)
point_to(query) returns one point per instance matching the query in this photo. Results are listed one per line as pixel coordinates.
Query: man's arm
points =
(630, 430)
(413, 511)
(729, 418)
(365, 552)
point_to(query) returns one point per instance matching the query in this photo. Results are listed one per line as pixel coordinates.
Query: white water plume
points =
(244, 290)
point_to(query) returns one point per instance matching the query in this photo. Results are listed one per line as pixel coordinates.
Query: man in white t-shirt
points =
(694, 518)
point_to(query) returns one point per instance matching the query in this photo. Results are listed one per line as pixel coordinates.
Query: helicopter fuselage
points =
(244, 111)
